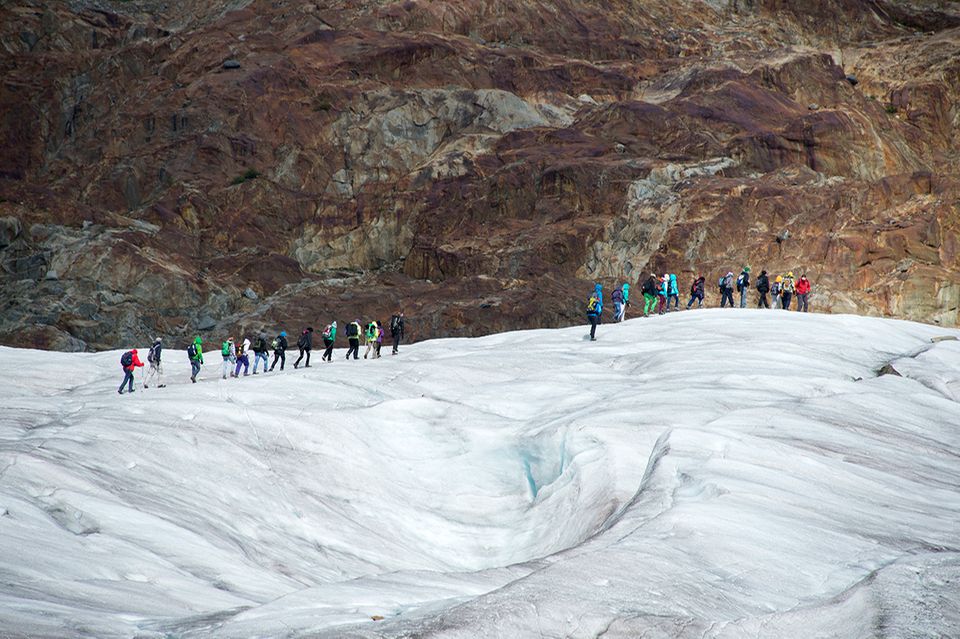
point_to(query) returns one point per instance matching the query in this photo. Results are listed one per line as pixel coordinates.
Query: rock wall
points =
(172, 167)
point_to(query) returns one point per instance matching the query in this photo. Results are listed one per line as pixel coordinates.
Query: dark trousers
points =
(302, 352)
(594, 320)
(699, 299)
(786, 300)
(281, 356)
(328, 351)
(727, 295)
(802, 302)
(127, 378)
(354, 348)
(396, 342)
(661, 304)
(762, 301)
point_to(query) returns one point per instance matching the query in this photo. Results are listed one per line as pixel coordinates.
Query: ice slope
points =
(714, 473)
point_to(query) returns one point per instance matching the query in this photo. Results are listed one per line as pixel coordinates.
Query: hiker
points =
(696, 291)
(305, 344)
(371, 336)
(763, 287)
(775, 292)
(195, 355)
(229, 352)
(662, 290)
(129, 361)
(379, 337)
(594, 309)
(279, 350)
(649, 291)
(803, 292)
(329, 335)
(786, 291)
(353, 338)
(261, 352)
(726, 289)
(156, 369)
(243, 359)
(626, 301)
(743, 285)
(617, 298)
(673, 293)
(396, 330)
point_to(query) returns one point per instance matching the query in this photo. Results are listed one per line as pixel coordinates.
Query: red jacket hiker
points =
(128, 370)
(803, 286)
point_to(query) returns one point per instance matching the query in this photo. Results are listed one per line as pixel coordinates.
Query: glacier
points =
(717, 473)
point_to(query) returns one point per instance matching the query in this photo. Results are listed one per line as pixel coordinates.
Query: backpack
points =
(592, 304)
(394, 323)
(225, 349)
(274, 343)
(352, 329)
(720, 282)
(151, 353)
(126, 359)
(192, 351)
(302, 342)
(740, 282)
(260, 346)
(327, 331)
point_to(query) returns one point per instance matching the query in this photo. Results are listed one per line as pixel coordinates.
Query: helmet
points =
(790, 274)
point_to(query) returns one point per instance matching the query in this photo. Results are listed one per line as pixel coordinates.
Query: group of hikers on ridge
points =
(662, 292)
(236, 353)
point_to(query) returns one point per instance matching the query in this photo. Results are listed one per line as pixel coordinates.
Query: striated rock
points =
(480, 168)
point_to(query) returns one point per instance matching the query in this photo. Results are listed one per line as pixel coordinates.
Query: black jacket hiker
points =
(305, 344)
(396, 330)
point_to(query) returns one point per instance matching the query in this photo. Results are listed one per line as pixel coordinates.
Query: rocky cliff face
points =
(170, 167)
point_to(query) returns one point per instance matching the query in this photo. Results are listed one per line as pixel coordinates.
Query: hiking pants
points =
(743, 297)
(371, 346)
(156, 370)
(396, 342)
(354, 348)
(228, 365)
(649, 303)
(328, 351)
(726, 295)
(762, 301)
(699, 299)
(802, 302)
(775, 301)
(675, 297)
(256, 361)
(281, 356)
(243, 361)
(661, 303)
(379, 344)
(786, 300)
(302, 352)
(594, 320)
(617, 309)
(127, 379)
(194, 368)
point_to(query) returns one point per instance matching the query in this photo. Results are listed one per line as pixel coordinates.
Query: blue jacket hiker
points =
(673, 293)
(594, 309)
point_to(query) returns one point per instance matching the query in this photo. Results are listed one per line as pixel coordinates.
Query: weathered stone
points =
(231, 64)
(250, 294)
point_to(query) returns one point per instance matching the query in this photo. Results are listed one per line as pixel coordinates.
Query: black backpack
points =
(394, 323)
(302, 342)
(192, 351)
(151, 354)
(126, 359)
(352, 329)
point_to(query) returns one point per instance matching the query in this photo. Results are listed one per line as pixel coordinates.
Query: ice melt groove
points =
(657, 480)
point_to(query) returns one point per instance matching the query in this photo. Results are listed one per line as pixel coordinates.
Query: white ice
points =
(716, 473)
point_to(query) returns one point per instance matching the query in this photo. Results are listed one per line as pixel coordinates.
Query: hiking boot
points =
(162, 386)
(120, 391)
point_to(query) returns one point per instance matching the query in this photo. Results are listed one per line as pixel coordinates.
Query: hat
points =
(746, 269)
(159, 339)
(790, 274)
(134, 351)
(283, 333)
(779, 278)
(333, 323)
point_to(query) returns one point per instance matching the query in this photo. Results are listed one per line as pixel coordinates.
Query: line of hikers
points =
(236, 353)
(660, 292)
